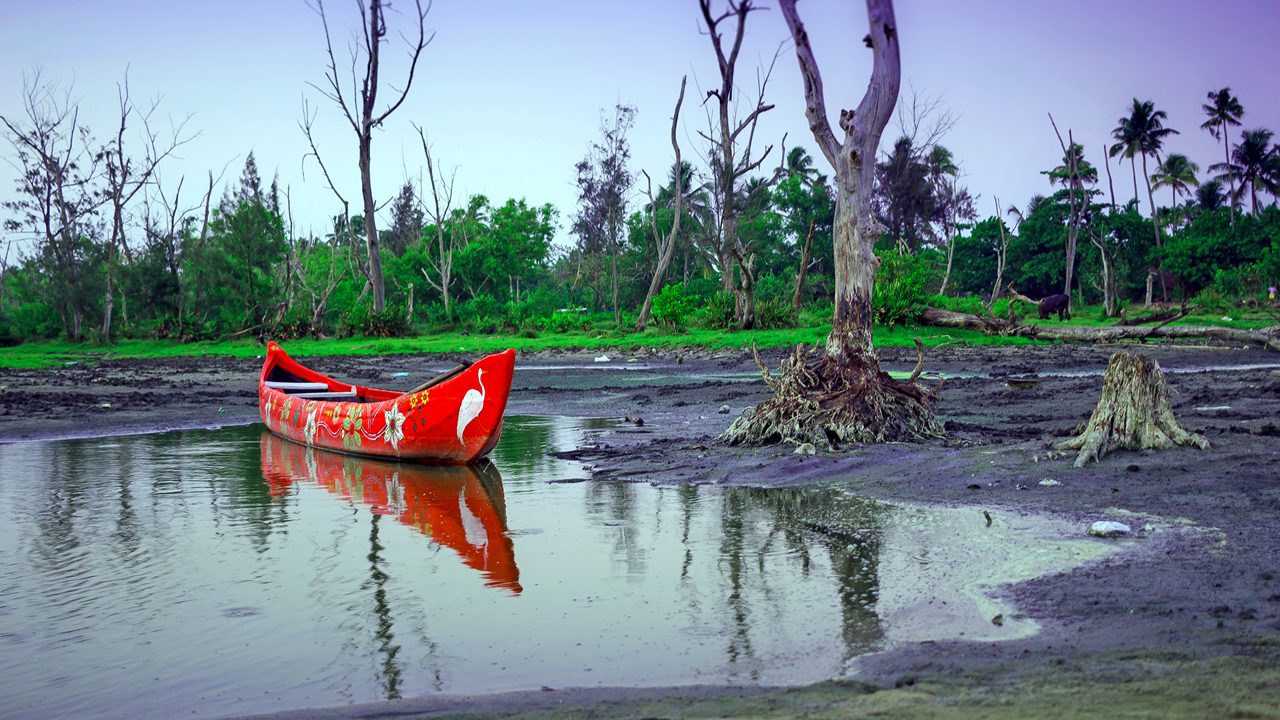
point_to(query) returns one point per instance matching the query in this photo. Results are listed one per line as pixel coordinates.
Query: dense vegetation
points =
(91, 256)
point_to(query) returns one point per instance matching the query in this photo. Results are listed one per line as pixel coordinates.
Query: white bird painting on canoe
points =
(471, 404)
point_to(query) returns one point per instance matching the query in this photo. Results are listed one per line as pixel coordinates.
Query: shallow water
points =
(212, 573)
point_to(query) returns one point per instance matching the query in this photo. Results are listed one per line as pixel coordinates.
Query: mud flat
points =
(1187, 624)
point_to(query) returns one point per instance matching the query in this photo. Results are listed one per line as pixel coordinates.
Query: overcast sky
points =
(511, 91)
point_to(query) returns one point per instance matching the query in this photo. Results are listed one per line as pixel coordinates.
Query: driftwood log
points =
(1134, 413)
(1268, 337)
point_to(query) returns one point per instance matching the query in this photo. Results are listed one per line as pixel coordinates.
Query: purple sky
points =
(511, 91)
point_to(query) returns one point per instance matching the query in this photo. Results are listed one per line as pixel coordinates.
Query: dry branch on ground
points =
(1268, 338)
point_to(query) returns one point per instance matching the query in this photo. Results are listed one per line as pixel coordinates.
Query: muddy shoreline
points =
(1207, 587)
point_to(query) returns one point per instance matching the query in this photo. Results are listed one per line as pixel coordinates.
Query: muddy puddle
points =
(214, 573)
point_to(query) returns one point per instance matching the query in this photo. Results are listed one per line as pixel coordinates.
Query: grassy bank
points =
(51, 353)
(1145, 686)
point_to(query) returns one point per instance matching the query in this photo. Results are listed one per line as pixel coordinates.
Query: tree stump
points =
(1134, 413)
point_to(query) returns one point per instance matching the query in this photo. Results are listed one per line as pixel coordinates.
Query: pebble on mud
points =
(725, 410)
(1109, 529)
(1049, 482)
(805, 449)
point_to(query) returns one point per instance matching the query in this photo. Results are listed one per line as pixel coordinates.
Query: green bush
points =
(362, 320)
(563, 321)
(718, 311)
(774, 313)
(900, 282)
(672, 306)
(1211, 300)
(29, 321)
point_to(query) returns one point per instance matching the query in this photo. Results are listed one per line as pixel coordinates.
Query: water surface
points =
(213, 573)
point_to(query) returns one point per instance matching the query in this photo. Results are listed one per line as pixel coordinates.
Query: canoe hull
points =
(456, 421)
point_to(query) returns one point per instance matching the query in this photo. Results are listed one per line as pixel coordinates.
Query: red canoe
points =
(460, 507)
(453, 418)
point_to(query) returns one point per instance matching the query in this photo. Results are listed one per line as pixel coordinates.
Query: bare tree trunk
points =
(371, 231)
(1106, 161)
(1133, 166)
(1226, 153)
(1108, 275)
(1001, 253)
(668, 248)
(804, 266)
(1155, 226)
(951, 254)
(1073, 225)
(373, 35)
(843, 396)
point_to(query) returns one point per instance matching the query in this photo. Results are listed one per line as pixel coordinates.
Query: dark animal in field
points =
(1166, 282)
(1055, 303)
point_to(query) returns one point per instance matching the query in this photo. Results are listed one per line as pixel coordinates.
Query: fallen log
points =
(1165, 316)
(1268, 338)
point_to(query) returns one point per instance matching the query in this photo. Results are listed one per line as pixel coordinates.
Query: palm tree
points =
(1127, 146)
(1178, 173)
(1255, 163)
(800, 163)
(1211, 195)
(1223, 109)
(1085, 173)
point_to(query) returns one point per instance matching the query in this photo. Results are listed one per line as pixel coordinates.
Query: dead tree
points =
(727, 164)
(667, 248)
(1134, 413)
(125, 177)
(365, 117)
(1002, 252)
(1071, 154)
(448, 236)
(58, 192)
(843, 396)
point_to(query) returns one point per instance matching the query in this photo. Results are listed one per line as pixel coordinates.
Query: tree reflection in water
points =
(461, 507)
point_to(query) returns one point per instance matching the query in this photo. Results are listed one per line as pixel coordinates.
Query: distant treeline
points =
(106, 254)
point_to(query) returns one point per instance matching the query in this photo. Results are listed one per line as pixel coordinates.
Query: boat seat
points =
(336, 395)
(291, 387)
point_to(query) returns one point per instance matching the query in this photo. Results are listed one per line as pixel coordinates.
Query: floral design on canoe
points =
(300, 404)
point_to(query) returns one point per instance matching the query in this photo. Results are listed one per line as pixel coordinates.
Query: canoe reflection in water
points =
(458, 506)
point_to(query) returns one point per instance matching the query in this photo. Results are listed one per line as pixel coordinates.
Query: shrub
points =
(718, 311)
(672, 306)
(899, 295)
(774, 313)
(362, 320)
(563, 321)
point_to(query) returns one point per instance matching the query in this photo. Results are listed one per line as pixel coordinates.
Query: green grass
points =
(54, 353)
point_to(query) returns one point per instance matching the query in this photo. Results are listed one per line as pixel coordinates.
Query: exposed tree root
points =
(830, 402)
(1134, 413)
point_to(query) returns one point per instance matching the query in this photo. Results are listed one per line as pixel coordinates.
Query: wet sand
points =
(1201, 596)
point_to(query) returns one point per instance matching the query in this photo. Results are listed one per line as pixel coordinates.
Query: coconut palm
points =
(1223, 109)
(800, 163)
(1178, 173)
(1085, 172)
(1211, 195)
(1142, 132)
(1254, 164)
(1127, 146)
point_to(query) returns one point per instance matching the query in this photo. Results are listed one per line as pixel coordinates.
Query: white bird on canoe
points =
(472, 403)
